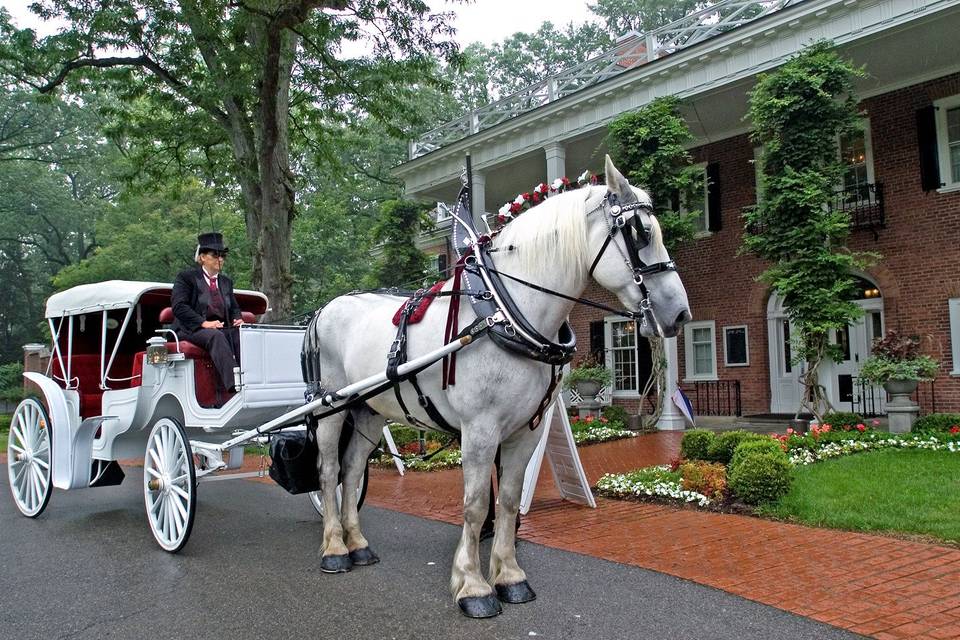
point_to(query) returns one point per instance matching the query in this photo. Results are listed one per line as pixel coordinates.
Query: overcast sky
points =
(484, 20)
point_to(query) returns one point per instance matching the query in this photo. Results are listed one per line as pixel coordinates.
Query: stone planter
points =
(588, 389)
(902, 412)
(800, 425)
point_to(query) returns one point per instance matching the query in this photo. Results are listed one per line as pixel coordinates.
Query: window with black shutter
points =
(644, 361)
(442, 264)
(597, 346)
(927, 144)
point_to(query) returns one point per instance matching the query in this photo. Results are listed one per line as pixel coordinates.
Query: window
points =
(443, 212)
(701, 355)
(735, 350)
(697, 200)
(947, 117)
(857, 158)
(622, 354)
(954, 305)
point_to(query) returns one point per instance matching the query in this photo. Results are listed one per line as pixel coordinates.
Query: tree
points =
(798, 114)
(240, 85)
(648, 145)
(401, 263)
(622, 16)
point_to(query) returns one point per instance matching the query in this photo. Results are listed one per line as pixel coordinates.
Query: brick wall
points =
(920, 245)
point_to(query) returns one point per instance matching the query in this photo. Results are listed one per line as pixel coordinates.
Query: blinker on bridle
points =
(617, 223)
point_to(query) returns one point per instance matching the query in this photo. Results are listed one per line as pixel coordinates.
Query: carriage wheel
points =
(28, 458)
(317, 499)
(169, 485)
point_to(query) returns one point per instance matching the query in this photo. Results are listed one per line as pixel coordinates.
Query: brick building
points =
(901, 188)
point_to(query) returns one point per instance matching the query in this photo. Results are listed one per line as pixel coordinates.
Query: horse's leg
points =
(471, 591)
(508, 578)
(366, 434)
(335, 556)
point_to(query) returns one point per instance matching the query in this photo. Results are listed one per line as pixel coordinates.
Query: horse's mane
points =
(554, 232)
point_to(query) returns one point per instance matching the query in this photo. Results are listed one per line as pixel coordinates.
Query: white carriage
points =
(120, 385)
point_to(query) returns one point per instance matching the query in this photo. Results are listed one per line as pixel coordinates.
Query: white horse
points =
(497, 392)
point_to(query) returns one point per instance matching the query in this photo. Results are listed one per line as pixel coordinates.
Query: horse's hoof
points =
(363, 557)
(516, 593)
(480, 606)
(336, 564)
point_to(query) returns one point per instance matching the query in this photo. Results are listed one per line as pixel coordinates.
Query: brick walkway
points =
(872, 585)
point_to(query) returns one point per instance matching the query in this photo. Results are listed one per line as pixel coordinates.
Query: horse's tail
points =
(310, 357)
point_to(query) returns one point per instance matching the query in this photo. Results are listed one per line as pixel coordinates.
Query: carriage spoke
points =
(17, 478)
(37, 489)
(180, 492)
(16, 431)
(153, 472)
(42, 478)
(28, 482)
(155, 458)
(43, 463)
(15, 448)
(179, 516)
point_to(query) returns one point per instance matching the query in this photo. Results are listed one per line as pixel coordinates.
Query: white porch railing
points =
(631, 51)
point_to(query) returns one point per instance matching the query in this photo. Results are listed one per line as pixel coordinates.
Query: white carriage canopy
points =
(123, 294)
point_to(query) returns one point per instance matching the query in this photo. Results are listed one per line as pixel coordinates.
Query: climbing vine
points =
(798, 115)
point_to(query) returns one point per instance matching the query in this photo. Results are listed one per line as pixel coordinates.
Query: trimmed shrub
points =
(696, 444)
(722, 448)
(842, 420)
(614, 413)
(11, 382)
(706, 478)
(760, 476)
(936, 423)
(750, 447)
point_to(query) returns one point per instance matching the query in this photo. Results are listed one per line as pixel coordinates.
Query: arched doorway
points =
(839, 378)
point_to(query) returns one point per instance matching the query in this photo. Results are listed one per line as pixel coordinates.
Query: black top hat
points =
(211, 242)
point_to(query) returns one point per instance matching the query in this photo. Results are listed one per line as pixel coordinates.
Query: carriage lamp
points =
(157, 351)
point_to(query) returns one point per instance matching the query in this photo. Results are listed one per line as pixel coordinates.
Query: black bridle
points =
(636, 236)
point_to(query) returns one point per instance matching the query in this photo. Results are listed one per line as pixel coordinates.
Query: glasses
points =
(216, 254)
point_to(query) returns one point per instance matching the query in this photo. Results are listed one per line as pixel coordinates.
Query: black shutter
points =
(644, 361)
(597, 346)
(927, 144)
(713, 196)
(442, 264)
(675, 200)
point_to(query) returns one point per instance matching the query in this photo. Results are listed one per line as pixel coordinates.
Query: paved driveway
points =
(88, 568)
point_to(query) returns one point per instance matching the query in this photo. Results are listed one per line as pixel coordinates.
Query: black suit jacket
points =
(191, 297)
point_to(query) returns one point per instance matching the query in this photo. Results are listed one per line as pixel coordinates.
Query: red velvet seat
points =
(85, 378)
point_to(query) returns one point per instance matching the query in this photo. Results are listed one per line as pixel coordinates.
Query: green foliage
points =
(11, 382)
(798, 112)
(621, 16)
(751, 447)
(696, 444)
(400, 263)
(842, 420)
(582, 373)
(880, 369)
(706, 478)
(648, 146)
(615, 414)
(722, 448)
(936, 422)
(760, 476)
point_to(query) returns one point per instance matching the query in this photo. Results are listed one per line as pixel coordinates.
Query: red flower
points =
(515, 208)
(603, 420)
(861, 428)
(536, 198)
(502, 219)
(527, 197)
(955, 429)
(588, 419)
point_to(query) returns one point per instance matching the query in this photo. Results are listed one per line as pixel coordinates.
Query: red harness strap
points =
(421, 310)
(453, 326)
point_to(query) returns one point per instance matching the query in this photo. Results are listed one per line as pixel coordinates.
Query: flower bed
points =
(804, 454)
(656, 482)
(591, 430)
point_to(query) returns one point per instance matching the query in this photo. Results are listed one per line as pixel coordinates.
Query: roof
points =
(123, 294)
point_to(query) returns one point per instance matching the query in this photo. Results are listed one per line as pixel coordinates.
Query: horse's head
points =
(631, 260)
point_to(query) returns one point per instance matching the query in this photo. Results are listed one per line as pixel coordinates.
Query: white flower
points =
(557, 184)
(504, 210)
(519, 199)
(584, 177)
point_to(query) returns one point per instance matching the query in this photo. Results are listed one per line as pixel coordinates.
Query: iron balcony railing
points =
(632, 51)
(715, 397)
(863, 203)
(870, 401)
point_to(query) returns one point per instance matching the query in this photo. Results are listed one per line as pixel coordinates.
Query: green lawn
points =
(912, 491)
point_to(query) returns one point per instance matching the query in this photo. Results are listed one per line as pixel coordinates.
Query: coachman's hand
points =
(212, 324)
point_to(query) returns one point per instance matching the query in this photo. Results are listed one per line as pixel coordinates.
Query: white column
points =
(479, 198)
(671, 419)
(556, 156)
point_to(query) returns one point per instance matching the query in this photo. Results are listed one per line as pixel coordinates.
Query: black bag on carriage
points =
(293, 460)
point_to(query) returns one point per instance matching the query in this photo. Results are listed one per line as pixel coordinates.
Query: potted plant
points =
(897, 364)
(588, 377)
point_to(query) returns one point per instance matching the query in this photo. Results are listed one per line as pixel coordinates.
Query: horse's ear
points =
(616, 183)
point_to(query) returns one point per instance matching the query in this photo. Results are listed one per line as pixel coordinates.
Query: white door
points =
(784, 374)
